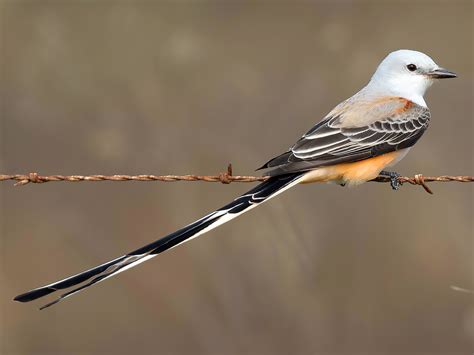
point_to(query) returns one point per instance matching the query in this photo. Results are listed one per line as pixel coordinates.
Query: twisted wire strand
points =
(225, 177)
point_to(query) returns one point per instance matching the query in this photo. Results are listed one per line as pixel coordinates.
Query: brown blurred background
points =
(156, 87)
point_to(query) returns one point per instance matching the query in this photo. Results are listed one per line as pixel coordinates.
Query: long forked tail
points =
(244, 203)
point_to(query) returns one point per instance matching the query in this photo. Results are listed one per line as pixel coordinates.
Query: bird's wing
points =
(353, 132)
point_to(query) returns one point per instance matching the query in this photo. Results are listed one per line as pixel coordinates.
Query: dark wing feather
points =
(328, 143)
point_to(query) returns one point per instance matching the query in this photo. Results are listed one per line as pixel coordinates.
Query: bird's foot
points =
(393, 176)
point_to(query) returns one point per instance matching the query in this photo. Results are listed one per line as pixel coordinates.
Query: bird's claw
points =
(394, 182)
(393, 176)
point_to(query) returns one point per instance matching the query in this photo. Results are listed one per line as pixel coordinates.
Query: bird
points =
(354, 143)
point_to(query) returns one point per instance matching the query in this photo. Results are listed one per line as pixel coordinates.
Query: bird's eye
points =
(411, 67)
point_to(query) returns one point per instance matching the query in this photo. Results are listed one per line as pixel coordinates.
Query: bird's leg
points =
(394, 182)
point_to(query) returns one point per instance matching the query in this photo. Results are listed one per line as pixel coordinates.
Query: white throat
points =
(408, 87)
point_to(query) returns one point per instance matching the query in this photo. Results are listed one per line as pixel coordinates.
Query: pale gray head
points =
(407, 74)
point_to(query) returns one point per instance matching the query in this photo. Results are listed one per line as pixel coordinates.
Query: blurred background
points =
(146, 87)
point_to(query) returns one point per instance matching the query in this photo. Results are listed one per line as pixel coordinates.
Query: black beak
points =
(441, 73)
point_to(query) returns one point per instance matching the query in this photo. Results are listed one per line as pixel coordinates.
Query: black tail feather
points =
(252, 198)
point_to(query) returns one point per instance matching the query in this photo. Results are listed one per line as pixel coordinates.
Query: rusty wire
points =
(421, 180)
(226, 178)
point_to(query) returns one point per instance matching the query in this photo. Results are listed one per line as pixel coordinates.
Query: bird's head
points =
(408, 74)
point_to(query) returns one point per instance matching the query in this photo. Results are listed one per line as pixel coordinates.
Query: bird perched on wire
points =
(354, 143)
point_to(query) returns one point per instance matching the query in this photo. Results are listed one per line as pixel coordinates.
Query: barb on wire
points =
(225, 177)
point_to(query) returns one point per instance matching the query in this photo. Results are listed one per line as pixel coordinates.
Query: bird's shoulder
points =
(359, 111)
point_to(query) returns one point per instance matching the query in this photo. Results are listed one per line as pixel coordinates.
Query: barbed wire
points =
(226, 178)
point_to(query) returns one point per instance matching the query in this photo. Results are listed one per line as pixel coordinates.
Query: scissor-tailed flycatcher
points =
(359, 138)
